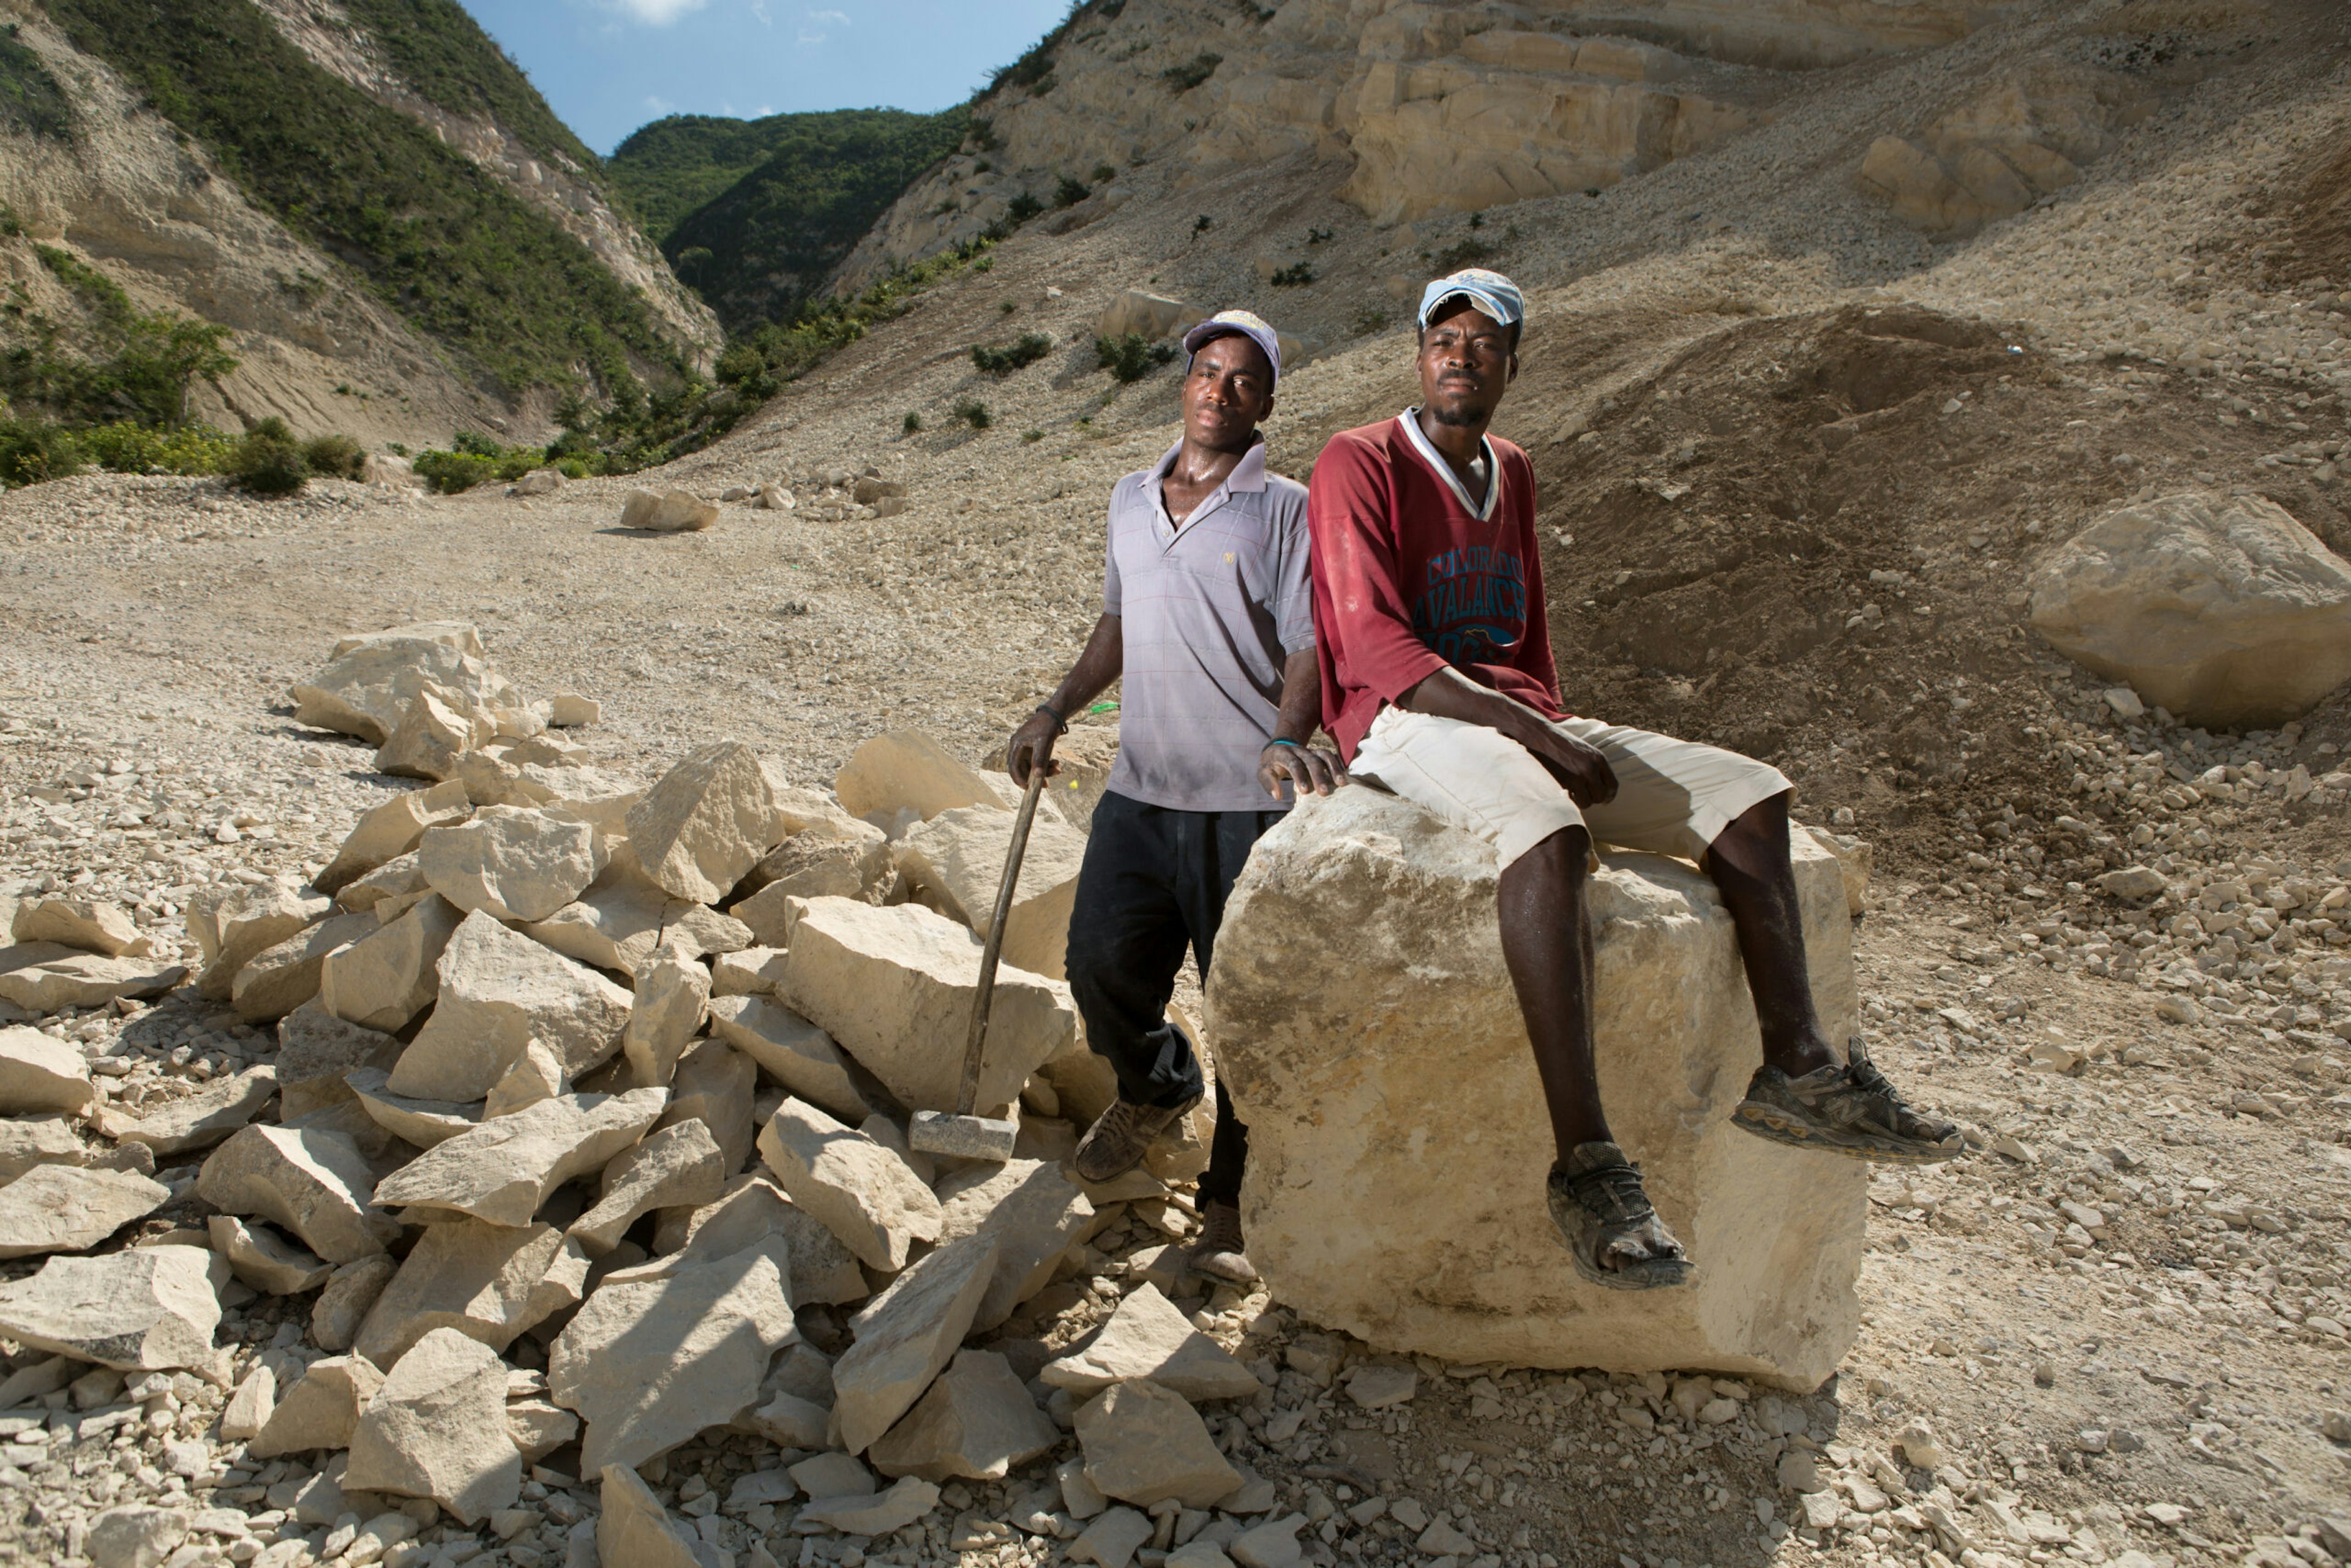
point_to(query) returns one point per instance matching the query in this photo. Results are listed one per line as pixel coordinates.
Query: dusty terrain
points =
(2161, 1384)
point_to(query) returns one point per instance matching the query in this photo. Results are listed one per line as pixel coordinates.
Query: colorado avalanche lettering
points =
(1473, 606)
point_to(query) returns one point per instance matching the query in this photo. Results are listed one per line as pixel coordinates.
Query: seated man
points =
(1438, 684)
(1206, 614)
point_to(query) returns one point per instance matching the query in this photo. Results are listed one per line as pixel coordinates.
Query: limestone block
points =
(391, 831)
(382, 981)
(250, 1407)
(748, 1209)
(670, 512)
(678, 1167)
(499, 991)
(463, 1274)
(793, 1051)
(788, 1421)
(907, 1500)
(135, 1535)
(87, 924)
(1112, 1539)
(837, 859)
(862, 1192)
(311, 1182)
(1856, 859)
(503, 1170)
(44, 978)
(705, 822)
(539, 1428)
(50, 1140)
(1148, 1337)
(673, 996)
(40, 1073)
(833, 1475)
(71, 1208)
(437, 1428)
(649, 1362)
(633, 1527)
(954, 864)
(279, 979)
(264, 1261)
(753, 972)
(247, 921)
(140, 1310)
(1036, 1213)
(533, 1076)
(424, 1123)
(906, 771)
(1369, 1036)
(519, 863)
(364, 690)
(2224, 610)
(1144, 1443)
(906, 1336)
(343, 1304)
(894, 988)
(569, 710)
(438, 725)
(713, 1085)
(320, 1411)
(1138, 313)
(977, 1420)
(197, 1121)
(622, 917)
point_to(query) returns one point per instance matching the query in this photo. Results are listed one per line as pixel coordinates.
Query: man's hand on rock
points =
(1032, 746)
(1306, 768)
(1579, 769)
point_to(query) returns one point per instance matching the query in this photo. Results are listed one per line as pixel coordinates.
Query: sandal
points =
(1846, 1108)
(1612, 1232)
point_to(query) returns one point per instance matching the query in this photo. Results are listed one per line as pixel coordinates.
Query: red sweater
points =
(1409, 577)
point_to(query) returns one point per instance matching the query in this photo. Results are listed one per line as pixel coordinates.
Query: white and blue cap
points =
(1238, 324)
(1491, 292)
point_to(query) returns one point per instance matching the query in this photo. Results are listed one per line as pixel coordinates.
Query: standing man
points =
(1438, 684)
(1208, 616)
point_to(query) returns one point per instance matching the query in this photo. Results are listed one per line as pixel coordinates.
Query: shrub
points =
(1032, 437)
(1203, 223)
(1071, 191)
(1297, 277)
(128, 448)
(1027, 349)
(478, 460)
(914, 424)
(1469, 252)
(974, 413)
(30, 97)
(335, 457)
(268, 461)
(1192, 72)
(33, 450)
(1103, 173)
(1021, 208)
(1133, 356)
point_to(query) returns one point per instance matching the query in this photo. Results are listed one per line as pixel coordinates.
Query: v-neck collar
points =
(1410, 419)
(1249, 474)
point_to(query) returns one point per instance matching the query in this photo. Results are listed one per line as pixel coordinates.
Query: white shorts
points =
(1673, 797)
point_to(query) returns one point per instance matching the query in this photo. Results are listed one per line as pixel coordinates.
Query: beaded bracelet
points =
(1060, 725)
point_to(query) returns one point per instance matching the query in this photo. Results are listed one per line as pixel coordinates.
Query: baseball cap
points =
(1491, 292)
(1237, 324)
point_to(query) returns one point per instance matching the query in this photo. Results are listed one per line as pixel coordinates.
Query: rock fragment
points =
(752, 972)
(436, 1428)
(1148, 1337)
(955, 862)
(136, 1535)
(310, 1181)
(279, 979)
(500, 991)
(264, 1261)
(533, 1076)
(620, 917)
(71, 1208)
(343, 1304)
(906, 1501)
(1035, 1212)
(748, 1210)
(503, 1170)
(906, 771)
(320, 1411)
(141, 1309)
(907, 1336)
(465, 1274)
(670, 512)
(1112, 1540)
(513, 862)
(369, 679)
(43, 977)
(84, 922)
(863, 1193)
(51, 1141)
(1142, 1444)
(791, 1051)
(633, 1527)
(714, 1084)
(245, 922)
(424, 1123)
(384, 980)
(250, 1407)
(673, 996)
(391, 831)
(40, 1073)
(977, 1420)
(706, 821)
(200, 1120)
(680, 1166)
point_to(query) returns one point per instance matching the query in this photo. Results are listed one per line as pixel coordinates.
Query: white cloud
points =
(837, 18)
(656, 13)
(656, 104)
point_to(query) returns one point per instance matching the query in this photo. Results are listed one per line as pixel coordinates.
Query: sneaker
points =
(1217, 1252)
(1848, 1108)
(1119, 1139)
(1611, 1232)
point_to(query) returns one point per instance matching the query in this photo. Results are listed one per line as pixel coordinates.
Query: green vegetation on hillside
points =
(805, 189)
(442, 242)
(443, 53)
(30, 97)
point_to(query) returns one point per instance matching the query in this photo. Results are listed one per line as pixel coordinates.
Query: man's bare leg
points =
(1805, 1093)
(1595, 1196)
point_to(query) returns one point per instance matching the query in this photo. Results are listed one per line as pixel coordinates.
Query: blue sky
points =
(609, 66)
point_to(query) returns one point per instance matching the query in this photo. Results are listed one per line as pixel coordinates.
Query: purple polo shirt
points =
(1207, 612)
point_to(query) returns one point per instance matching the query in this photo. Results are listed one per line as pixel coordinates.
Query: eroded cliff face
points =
(1439, 106)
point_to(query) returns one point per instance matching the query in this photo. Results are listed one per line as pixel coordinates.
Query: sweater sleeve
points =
(1351, 516)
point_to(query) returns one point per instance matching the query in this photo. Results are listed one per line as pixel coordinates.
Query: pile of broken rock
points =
(584, 1136)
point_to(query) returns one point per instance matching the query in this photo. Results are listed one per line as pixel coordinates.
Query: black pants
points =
(1154, 881)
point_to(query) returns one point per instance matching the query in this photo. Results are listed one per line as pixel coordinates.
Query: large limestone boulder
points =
(71, 1208)
(143, 1309)
(464, 1274)
(706, 821)
(436, 1428)
(312, 1181)
(619, 919)
(502, 1170)
(955, 864)
(436, 730)
(391, 831)
(84, 922)
(906, 771)
(279, 979)
(670, 512)
(248, 920)
(907, 1336)
(1367, 1030)
(2225, 610)
(517, 863)
(384, 980)
(48, 977)
(749, 1209)
(38, 1073)
(977, 1420)
(499, 991)
(861, 1191)
(369, 680)
(894, 986)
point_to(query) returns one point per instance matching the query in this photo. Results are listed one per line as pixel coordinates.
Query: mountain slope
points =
(756, 213)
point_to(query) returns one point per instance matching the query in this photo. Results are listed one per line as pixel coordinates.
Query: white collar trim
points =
(1410, 419)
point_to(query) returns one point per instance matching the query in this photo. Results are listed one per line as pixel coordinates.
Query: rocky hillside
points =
(402, 238)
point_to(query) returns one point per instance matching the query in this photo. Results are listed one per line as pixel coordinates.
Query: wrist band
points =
(1060, 725)
(1279, 740)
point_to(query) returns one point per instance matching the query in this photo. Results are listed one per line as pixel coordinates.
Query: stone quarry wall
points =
(1361, 1013)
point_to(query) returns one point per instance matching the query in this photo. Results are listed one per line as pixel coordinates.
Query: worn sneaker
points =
(1845, 1108)
(1122, 1136)
(1217, 1252)
(1612, 1232)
